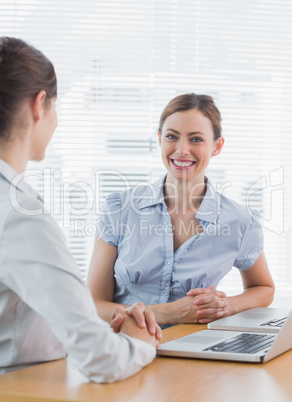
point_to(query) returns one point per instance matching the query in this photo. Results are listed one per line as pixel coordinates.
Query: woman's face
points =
(187, 145)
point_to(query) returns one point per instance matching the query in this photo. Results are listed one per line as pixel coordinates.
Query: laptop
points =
(231, 345)
(266, 320)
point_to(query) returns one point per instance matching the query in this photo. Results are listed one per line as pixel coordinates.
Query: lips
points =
(182, 164)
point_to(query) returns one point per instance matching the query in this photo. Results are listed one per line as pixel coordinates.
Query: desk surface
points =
(166, 379)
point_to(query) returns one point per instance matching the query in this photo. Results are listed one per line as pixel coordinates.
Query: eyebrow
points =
(192, 133)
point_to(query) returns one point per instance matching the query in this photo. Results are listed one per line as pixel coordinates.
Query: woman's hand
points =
(182, 311)
(199, 306)
(210, 304)
(143, 316)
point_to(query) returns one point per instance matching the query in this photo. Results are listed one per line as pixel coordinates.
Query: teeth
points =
(182, 164)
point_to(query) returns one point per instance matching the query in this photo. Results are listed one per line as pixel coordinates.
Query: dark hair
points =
(204, 103)
(24, 72)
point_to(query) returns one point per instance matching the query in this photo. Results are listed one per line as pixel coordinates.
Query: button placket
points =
(166, 274)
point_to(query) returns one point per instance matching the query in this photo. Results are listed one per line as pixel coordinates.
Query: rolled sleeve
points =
(252, 244)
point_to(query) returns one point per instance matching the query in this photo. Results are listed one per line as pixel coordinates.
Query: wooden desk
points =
(166, 379)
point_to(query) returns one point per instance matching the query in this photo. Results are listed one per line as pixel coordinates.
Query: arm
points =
(185, 310)
(101, 283)
(45, 276)
(258, 287)
(100, 278)
(258, 292)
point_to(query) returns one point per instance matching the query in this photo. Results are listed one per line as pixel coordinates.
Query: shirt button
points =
(169, 262)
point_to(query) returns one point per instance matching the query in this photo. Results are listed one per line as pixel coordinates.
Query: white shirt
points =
(45, 309)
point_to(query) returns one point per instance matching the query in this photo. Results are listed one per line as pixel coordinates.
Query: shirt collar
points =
(16, 180)
(152, 194)
(209, 208)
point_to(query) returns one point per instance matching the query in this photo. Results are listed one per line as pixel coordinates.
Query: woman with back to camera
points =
(185, 237)
(46, 310)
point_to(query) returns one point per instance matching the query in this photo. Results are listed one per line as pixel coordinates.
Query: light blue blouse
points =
(147, 268)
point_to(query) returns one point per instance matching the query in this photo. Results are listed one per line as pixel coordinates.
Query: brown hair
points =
(24, 72)
(204, 103)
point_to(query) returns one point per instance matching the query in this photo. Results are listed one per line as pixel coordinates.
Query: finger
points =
(210, 299)
(205, 299)
(212, 306)
(197, 291)
(200, 291)
(220, 294)
(158, 333)
(137, 311)
(118, 310)
(217, 303)
(116, 323)
(210, 291)
(205, 320)
(221, 314)
(152, 325)
(208, 312)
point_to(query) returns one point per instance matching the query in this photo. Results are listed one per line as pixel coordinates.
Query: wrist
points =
(130, 327)
(163, 313)
(231, 305)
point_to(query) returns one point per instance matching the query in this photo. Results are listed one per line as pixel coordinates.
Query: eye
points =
(196, 139)
(170, 136)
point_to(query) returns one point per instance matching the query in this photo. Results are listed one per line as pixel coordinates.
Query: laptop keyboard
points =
(244, 343)
(274, 323)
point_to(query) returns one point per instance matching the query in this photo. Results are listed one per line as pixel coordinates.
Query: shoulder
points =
(25, 217)
(112, 203)
(16, 205)
(133, 198)
(232, 211)
(5, 204)
(33, 232)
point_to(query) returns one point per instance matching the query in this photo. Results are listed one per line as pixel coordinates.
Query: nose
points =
(183, 147)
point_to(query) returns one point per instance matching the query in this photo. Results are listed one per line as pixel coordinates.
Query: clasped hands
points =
(137, 321)
(202, 305)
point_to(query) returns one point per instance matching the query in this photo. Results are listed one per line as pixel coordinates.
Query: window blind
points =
(120, 62)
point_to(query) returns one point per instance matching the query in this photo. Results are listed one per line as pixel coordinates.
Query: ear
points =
(218, 146)
(38, 105)
(159, 138)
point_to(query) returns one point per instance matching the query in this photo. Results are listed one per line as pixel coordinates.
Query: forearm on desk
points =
(257, 296)
(162, 311)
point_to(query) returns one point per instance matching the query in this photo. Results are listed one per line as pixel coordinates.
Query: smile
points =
(182, 164)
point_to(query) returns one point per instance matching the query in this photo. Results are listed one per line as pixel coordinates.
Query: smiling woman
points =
(187, 145)
(176, 272)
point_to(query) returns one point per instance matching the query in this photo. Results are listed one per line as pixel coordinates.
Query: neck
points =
(15, 153)
(182, 196)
